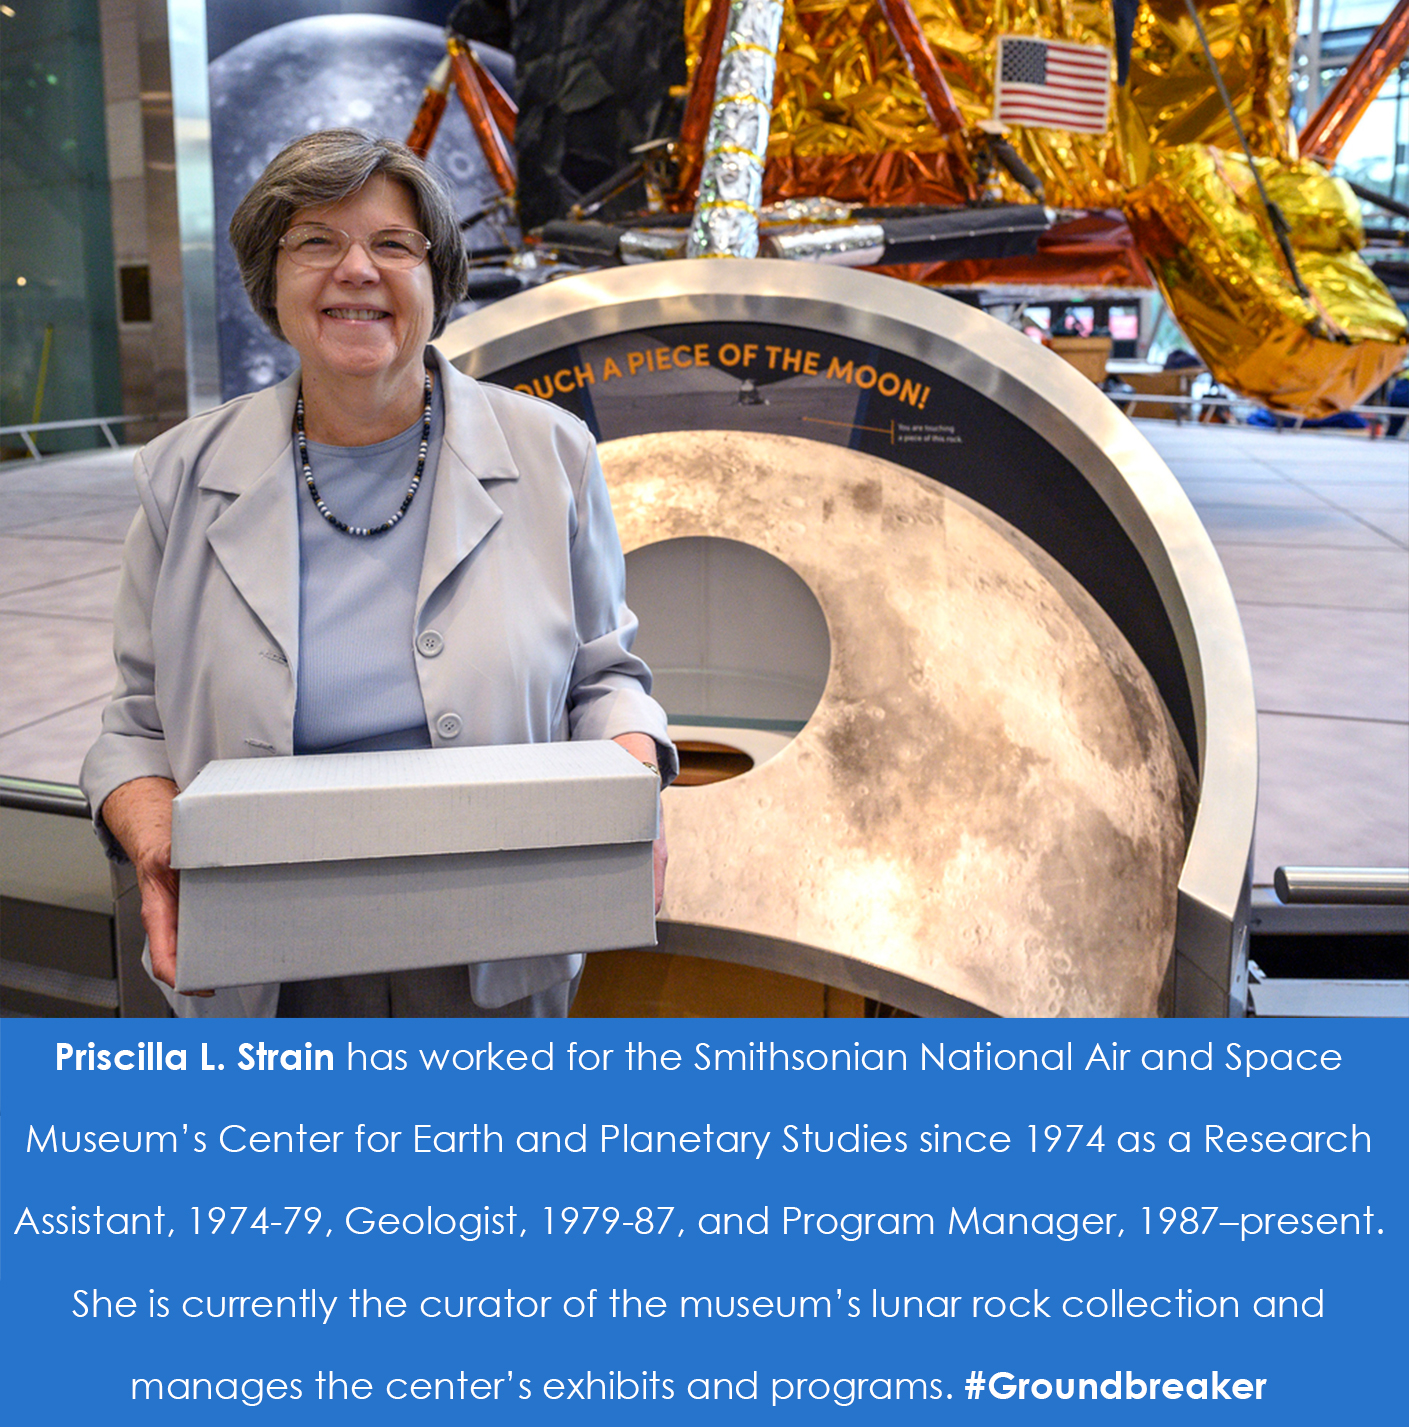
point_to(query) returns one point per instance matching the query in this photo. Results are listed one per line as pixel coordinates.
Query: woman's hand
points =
(642, 747)
(138, 814)
(160, 890)
(660, 855)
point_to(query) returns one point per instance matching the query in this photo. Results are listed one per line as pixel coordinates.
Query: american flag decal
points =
(1049, 84)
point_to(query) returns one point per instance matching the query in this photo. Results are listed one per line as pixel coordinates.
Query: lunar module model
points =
(971, 145)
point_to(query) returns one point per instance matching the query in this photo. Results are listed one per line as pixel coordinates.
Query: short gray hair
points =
(325, 168)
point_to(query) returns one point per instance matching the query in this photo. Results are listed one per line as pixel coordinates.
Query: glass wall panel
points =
(1376, 154)
(58, 320)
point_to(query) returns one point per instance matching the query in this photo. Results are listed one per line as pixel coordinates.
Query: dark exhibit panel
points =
(70, 932)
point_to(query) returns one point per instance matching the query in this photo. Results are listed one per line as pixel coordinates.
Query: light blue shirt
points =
(357, 684)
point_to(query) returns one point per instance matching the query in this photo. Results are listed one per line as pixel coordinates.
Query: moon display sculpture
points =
(986, 800)
(999, 431)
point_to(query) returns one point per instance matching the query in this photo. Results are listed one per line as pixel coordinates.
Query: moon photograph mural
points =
(322, 72)
(986, 799)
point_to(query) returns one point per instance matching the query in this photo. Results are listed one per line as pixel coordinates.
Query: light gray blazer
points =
(523, 580)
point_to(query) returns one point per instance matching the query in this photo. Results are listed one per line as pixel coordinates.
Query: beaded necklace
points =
(410, 494)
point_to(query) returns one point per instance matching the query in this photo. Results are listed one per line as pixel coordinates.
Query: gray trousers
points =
(438, 991)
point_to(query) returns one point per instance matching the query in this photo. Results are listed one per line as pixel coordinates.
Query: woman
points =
(377, 553)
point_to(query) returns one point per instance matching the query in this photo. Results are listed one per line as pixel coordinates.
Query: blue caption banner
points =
(628, 1221)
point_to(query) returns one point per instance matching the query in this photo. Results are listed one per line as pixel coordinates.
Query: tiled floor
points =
(1313, 531)
(62, 523)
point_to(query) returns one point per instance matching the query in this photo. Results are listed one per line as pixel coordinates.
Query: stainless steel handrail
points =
(30, 795)
(1343, 886)
(104, 422)
(1121, 398)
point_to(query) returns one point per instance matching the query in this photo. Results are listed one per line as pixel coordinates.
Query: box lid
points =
(329, 807)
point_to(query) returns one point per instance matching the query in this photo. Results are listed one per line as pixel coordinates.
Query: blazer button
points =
(429, 643)
(448, 725)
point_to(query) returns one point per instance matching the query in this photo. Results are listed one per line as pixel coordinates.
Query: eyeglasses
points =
(312, 245)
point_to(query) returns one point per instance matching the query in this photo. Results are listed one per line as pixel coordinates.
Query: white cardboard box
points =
(339, 864)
